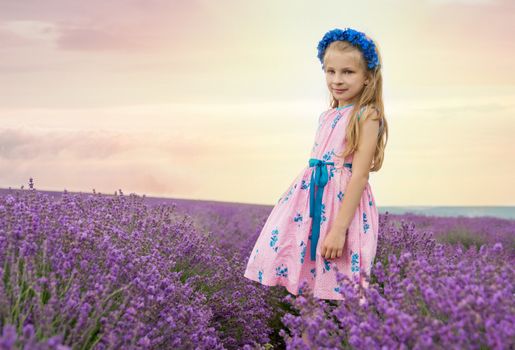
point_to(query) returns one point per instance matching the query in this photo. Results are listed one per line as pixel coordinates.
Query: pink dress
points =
(283, 253)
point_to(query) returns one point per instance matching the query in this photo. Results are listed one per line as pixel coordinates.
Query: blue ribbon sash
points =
(319, 179)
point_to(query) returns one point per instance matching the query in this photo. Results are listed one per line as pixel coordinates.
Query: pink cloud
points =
(112, 25)
(82, 38)
(22, 145)
(10, 39)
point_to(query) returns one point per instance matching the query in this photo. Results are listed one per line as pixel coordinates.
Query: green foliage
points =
(463, 236)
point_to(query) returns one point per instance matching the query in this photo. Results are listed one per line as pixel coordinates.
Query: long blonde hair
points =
(371, 97)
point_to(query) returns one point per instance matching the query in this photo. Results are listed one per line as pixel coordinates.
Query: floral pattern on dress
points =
(273, 240)
(302, 252)
(355, 262)
(282, 271)
(366, 226)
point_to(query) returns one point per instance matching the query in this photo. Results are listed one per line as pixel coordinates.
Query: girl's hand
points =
(332, 247)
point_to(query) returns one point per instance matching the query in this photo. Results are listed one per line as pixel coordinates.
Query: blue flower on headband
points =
(356, 38)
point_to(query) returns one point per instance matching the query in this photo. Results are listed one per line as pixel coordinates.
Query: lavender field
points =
(98, 271)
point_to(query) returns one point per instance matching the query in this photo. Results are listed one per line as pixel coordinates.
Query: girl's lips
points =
(340, 91)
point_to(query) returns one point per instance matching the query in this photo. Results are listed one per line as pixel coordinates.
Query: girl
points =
(327, 220)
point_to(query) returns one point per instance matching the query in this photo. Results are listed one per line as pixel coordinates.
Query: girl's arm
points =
(361, 163)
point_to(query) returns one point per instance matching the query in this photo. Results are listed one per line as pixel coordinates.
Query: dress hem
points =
(319, 294)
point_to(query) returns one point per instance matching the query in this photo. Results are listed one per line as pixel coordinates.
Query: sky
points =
(219, 100)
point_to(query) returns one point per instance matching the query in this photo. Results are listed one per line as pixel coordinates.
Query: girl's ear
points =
(368, 79)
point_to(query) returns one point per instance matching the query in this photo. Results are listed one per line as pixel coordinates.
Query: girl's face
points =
(344, 76)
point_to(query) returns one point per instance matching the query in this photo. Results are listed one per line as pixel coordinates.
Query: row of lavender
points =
(96, 271)
(90, 271)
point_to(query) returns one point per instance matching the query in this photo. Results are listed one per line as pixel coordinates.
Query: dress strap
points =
(361, 111)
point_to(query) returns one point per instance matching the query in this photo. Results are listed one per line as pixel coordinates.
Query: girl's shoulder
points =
(371, 110)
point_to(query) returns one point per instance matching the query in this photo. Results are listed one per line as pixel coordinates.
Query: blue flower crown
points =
(356, 38)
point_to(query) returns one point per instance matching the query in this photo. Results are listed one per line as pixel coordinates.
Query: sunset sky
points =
(219, 100)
